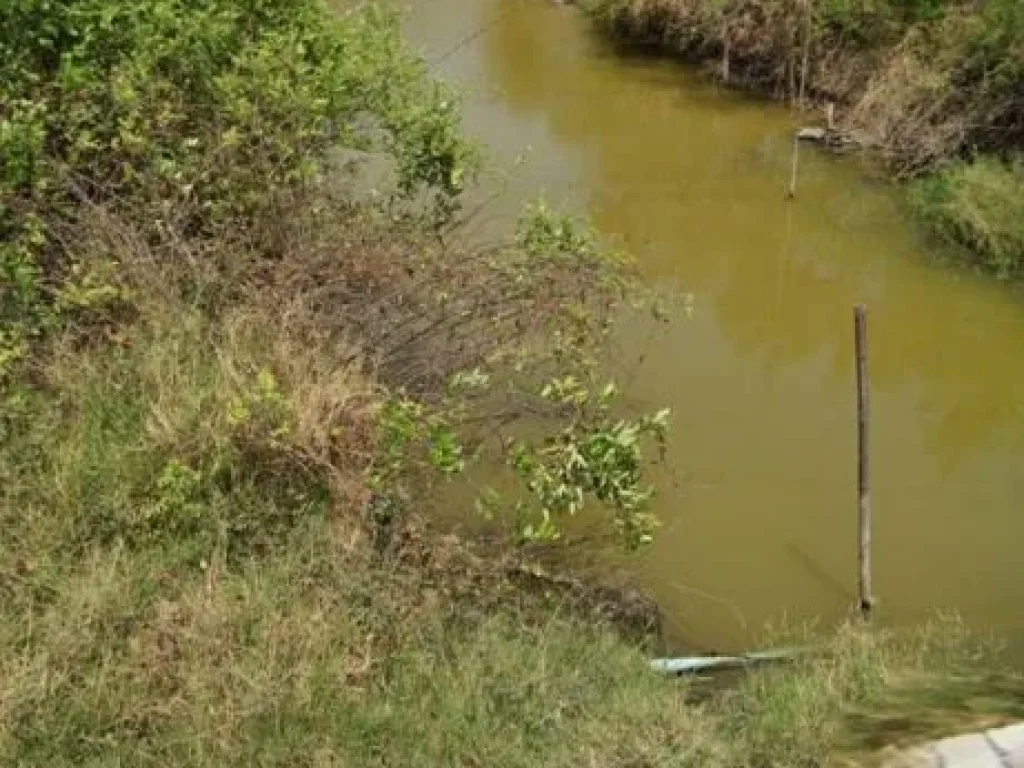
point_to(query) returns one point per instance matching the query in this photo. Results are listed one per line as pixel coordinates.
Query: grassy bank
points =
(231, 382)
(225, 608)
(928, 86)
(977, 205)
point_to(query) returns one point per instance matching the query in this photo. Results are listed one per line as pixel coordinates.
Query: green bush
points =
(212, 109)
(995, 41)
(979, 205)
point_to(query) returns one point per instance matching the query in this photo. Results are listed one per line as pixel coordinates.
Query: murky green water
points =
(759, 503)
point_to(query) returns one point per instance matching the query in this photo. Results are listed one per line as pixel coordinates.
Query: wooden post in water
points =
(867, 600)
(794, 168)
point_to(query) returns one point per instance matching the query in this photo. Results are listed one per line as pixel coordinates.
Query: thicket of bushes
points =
(193, 151)
(195, 117)
(922, 83)
(228, 377)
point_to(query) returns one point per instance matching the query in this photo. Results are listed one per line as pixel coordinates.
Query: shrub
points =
(199, 116)
(980, 205)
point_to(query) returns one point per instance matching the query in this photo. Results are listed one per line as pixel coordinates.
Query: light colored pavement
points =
(996, 748)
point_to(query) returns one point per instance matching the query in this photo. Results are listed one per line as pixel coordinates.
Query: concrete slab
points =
(1009, 743)
(970, 751)
(1009, 738)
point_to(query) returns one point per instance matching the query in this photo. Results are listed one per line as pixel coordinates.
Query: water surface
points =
(759, 502)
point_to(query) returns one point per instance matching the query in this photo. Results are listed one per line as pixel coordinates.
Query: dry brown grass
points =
(260, 374)
(908, 116)
(915, 112)
(284, 339)
(319, 655)
(765, 43)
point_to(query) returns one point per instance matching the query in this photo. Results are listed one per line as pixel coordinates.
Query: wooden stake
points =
(867, 600)
(725, 52)
(805, 58)
(794, 170)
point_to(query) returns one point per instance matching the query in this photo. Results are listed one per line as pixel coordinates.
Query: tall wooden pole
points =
(794, 169)
(867, 600)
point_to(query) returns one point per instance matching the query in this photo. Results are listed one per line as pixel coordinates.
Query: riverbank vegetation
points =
(231, 380)
(928, 86)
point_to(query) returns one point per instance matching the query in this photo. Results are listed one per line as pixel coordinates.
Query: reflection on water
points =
(759, 503)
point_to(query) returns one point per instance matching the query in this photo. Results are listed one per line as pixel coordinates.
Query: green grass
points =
(978, 205)
(296, 663)
(196, 645)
